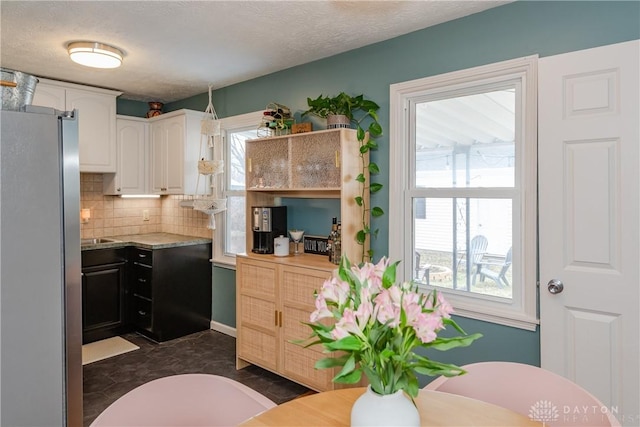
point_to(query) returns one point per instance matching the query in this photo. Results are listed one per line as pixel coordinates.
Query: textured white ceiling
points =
(175, 49)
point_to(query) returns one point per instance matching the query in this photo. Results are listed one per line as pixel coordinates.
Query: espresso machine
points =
(268, 223)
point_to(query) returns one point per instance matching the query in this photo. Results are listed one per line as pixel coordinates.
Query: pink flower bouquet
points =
(376, 324)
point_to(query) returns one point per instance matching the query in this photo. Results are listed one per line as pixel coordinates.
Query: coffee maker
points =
(268, 223)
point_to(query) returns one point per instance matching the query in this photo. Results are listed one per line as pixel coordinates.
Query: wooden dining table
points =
(333, 408)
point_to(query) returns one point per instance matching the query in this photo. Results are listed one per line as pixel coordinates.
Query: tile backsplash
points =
(113, 216)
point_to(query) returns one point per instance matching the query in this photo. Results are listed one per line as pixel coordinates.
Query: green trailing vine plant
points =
(363, 114)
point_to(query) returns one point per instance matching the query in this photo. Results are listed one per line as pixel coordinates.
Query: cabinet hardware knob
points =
(276, 317)
(163, 189)
(142, 255)
(117, 189)
(280, 318)
(250, 168)
(142, 280)
(142, 313)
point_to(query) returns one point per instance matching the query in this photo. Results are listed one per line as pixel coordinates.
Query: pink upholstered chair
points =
(535, 392)
(185, 400)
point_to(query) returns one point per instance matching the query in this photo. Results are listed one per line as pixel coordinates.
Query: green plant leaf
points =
(360, 237)
(358, 200)
(372, 144)
(374, 187)
(443, 343)
(375, 130)
(364, 148)
(348, 343)
(360, 178)
(373, 168)
(360, 133)
(331, 362)
(377, 211)
(351, 378)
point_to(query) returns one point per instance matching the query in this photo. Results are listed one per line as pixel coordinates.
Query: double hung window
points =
(230, 234)
(463, 188)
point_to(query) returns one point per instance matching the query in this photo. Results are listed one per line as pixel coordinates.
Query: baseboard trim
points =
(221, 327)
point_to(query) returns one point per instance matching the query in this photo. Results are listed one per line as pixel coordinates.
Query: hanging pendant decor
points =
(210, 124)
(211, 170)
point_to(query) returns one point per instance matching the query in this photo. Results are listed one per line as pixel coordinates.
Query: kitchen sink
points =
(96, 241)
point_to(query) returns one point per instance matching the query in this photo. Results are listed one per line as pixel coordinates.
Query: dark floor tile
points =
(207, 352)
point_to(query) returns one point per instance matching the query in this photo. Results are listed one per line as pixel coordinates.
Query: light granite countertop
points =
(148, 241)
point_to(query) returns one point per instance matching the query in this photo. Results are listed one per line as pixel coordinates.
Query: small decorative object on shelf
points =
(276, 121)
(296, 236)
(155, 109)
(315, 245)
(378, 325)
(302, 127)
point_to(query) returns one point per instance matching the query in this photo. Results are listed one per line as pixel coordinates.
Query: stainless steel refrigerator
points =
(40, 265)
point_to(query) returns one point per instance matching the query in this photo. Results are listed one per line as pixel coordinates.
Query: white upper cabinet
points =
(132, 174)
(175, 151)
(96, 120)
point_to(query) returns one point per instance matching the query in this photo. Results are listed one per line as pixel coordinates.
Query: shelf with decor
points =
(275, 294)
(321, 164)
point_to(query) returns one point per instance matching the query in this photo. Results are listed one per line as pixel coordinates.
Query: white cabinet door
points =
(96, 129)
(96, 120)
(132, 149)
(174, 175)
(158, 151)
(50, 96)
(168, 137)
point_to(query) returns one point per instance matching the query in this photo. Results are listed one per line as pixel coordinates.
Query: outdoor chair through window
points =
(498, 276)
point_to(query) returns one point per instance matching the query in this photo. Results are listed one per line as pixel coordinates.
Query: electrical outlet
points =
(145, 215)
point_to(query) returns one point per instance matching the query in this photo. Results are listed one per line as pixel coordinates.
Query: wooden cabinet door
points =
(167, 155)
(158, 151)
(50, 96)
(96, 129)
(103, 300)
(297, 302)
(132, 149)
(257, 322)
(175, 154)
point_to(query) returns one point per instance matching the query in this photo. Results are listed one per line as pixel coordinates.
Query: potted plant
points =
(362, 113)
(375, 325)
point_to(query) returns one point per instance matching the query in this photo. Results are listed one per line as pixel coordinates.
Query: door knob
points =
(555, 286)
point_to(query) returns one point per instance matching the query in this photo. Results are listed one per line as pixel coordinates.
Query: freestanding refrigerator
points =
(40, 266)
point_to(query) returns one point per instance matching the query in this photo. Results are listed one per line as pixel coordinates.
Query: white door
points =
(589, 223)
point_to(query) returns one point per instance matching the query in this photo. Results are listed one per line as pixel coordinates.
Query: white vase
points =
(372, 409)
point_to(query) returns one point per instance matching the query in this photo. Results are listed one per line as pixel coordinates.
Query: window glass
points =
(462, 244)
(466, 141)
(229, 237)
(462, 188)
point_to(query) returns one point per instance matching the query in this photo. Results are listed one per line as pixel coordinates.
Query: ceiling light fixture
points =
(94, 54)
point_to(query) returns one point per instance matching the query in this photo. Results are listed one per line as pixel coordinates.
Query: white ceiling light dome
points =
(95, 54)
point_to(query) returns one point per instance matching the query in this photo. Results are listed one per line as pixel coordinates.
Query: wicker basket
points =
(210, 167)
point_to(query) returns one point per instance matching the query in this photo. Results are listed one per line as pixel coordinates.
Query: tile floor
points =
(207, 352)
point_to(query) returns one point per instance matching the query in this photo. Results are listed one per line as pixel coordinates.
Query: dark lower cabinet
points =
(104, 294)
(170, 290)
(161, 293)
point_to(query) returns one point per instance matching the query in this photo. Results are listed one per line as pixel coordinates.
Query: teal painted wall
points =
(511, 31)
(224, 296)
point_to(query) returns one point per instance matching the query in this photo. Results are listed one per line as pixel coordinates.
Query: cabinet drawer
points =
(141, 280)
(142, 313)
(142, 256)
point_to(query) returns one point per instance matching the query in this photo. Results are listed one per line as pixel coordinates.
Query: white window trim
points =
(219, 257)
(522, 312)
